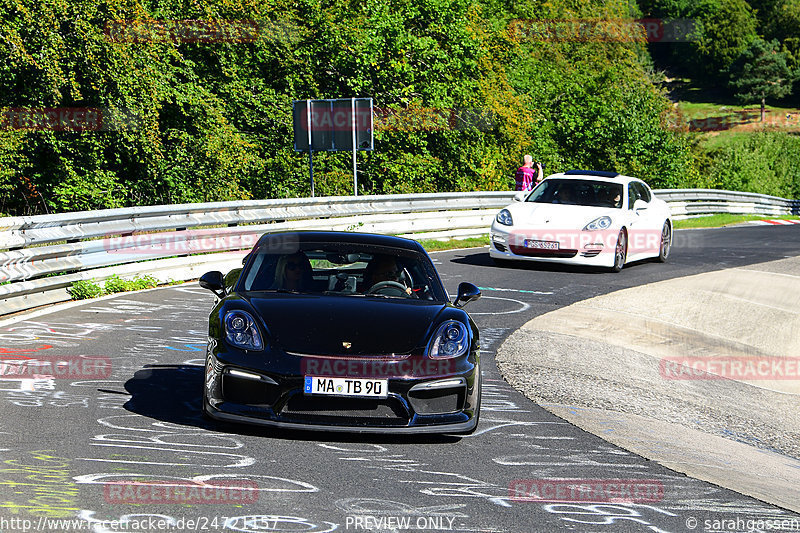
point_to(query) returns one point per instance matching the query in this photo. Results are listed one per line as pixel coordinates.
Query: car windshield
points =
(578, 192)
(342, 269)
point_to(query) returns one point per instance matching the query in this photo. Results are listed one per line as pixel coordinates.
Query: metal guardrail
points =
(41, 256)
(692, 202)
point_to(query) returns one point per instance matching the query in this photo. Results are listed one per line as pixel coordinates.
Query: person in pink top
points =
(526, 176)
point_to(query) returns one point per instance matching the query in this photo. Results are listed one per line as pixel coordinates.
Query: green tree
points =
(723, 29)
(461, 99)
(778, 19)
(760, 73)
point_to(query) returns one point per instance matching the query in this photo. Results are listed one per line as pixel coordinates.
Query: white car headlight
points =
(450, 340)
(504, 218)
(598, 224)
(241, 331)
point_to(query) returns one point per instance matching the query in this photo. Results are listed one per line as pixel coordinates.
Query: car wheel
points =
(666, 243)
(621, 251)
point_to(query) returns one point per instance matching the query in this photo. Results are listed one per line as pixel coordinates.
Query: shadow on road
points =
(482, 259)
(172, 393)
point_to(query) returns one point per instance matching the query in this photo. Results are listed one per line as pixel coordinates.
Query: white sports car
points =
(584, 217)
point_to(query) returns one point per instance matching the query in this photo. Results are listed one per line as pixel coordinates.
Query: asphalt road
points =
(67, 446)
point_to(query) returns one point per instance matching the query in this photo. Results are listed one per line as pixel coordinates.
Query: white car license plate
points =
(542, 245)
(370, 388)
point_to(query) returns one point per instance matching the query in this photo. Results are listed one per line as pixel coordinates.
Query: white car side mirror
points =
(520, 196)
(640, 205)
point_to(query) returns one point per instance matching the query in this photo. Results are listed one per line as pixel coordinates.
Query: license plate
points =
(542, 245)
(370, 388)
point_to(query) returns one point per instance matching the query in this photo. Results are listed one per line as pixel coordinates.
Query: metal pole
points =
(311, 171)
(310, 148)
(355, 170)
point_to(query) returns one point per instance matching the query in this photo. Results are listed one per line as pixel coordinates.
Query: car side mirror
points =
(640, 205)
(214, 282)
(467, 292)
(520, 196)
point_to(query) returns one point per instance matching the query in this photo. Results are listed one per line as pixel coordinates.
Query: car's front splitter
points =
(424, 404)
(460, 427)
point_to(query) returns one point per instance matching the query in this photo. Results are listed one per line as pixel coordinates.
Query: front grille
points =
(591, 253)
(535, 252)
(345, 409)
(500, 247)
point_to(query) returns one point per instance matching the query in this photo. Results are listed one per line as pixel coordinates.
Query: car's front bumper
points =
(579, 248)
(415, 404)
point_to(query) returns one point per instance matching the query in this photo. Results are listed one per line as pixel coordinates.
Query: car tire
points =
(620, 251)
(203, 408)
(666, 242)
(204, 397)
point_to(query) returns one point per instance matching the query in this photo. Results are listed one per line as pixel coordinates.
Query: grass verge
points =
(436, 246)
(724, 219)
(87, 289)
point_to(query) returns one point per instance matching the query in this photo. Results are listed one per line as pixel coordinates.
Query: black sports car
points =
(344, 332)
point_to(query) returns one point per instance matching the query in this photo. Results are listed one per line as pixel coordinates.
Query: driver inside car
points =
(381, 269)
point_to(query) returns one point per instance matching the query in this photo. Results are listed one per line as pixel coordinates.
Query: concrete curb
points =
(596, 364)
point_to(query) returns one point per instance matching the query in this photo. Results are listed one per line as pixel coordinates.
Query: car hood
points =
(325, 325)
(558, 216)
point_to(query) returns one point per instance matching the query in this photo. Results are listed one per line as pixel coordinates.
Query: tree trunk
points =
(763, 110)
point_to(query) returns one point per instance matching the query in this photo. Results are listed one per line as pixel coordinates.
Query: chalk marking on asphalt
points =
(515, 290)
(524, 307)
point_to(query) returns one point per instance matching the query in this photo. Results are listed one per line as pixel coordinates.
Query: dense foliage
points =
(764, 162)
(463, 87)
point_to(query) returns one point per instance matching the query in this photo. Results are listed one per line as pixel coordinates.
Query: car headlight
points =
(504, 217)
(450, 340)
(598, 224)
(241, 331)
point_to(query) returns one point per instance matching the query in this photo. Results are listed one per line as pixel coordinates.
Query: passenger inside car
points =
(293, 273)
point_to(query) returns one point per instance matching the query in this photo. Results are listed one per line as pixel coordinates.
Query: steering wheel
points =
(391, 288)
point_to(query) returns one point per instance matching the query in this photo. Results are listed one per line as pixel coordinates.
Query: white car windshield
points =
(578, 192)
